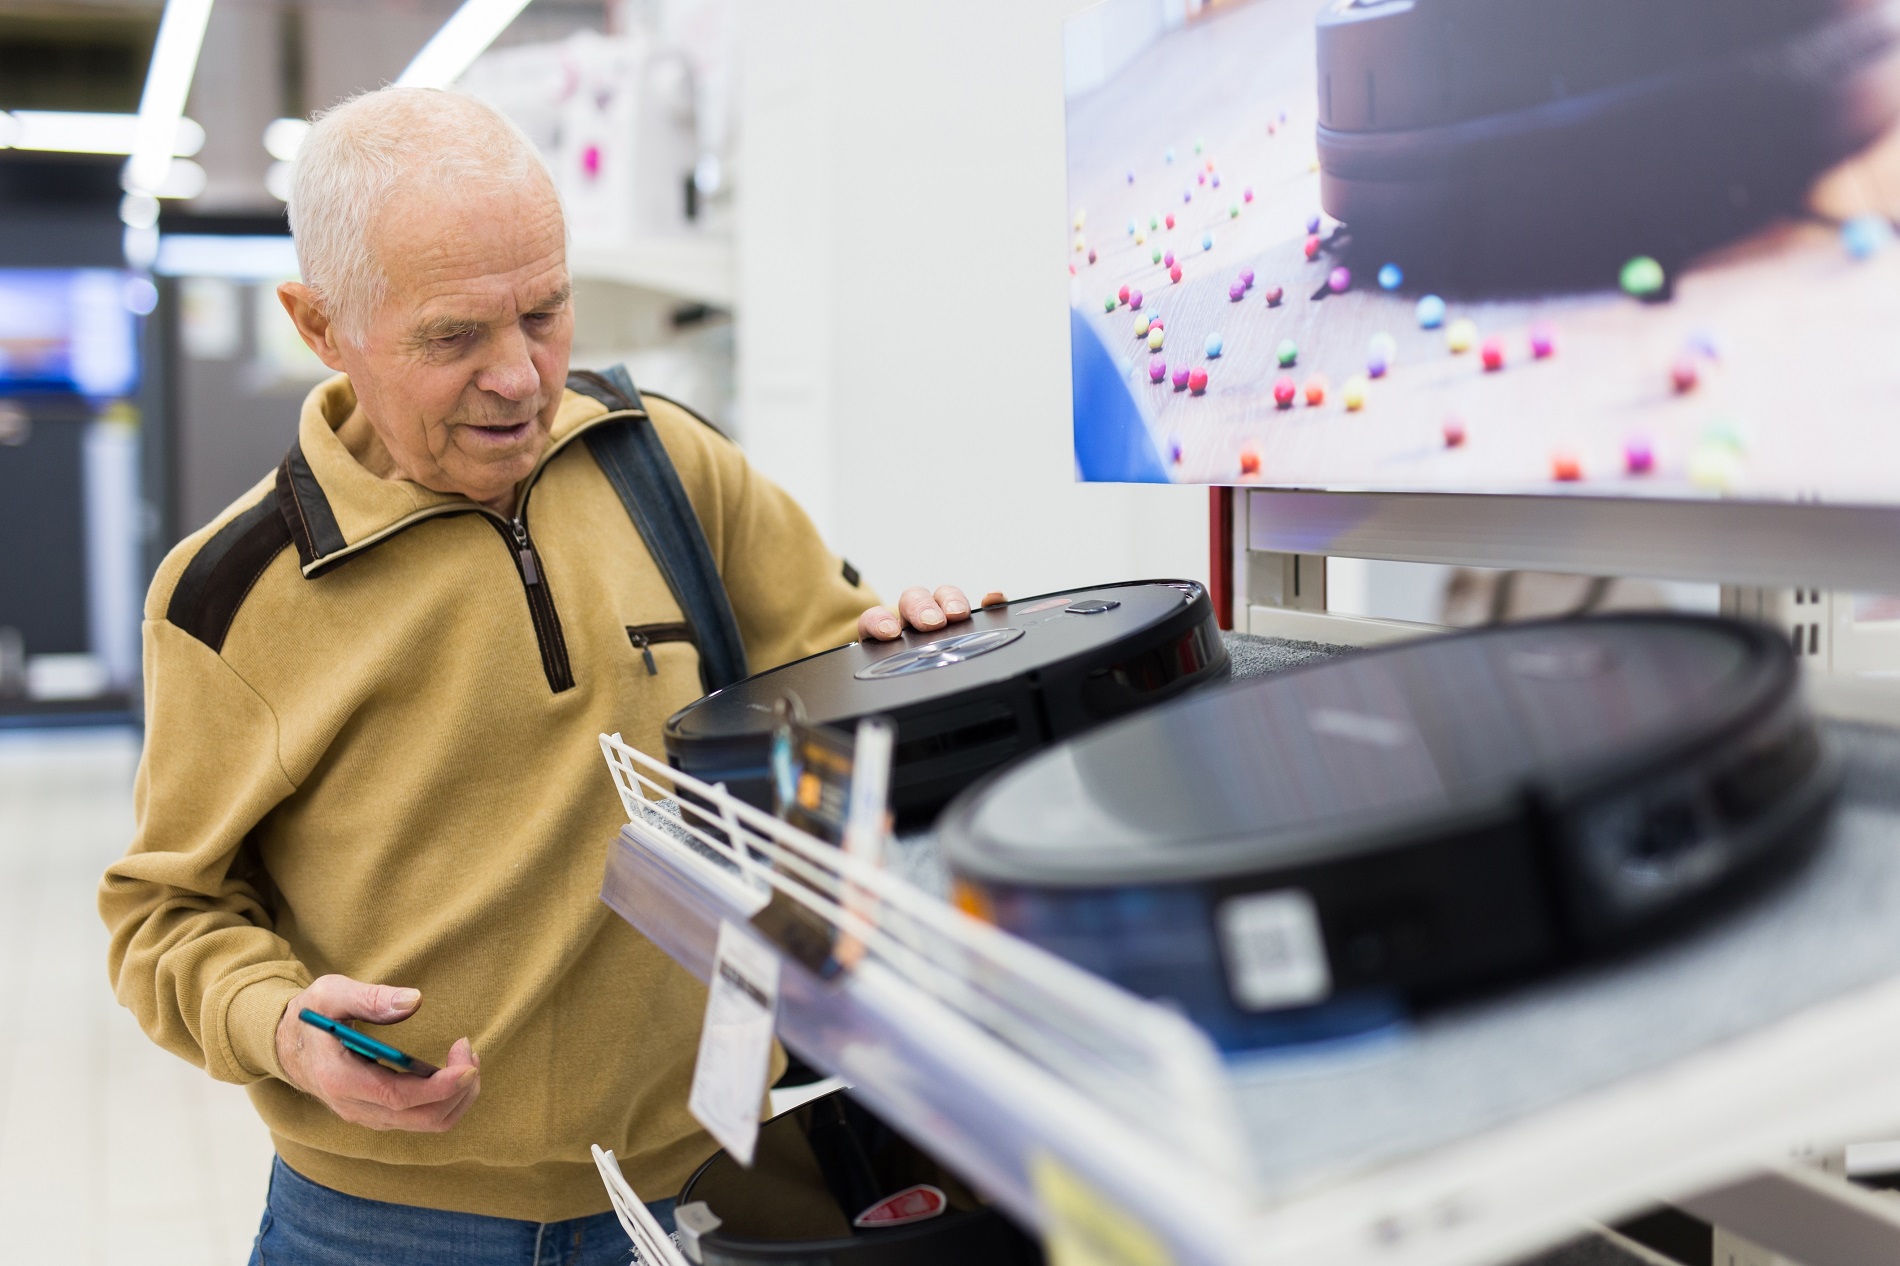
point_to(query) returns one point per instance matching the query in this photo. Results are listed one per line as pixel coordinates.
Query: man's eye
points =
(457, 339)
(541, 318)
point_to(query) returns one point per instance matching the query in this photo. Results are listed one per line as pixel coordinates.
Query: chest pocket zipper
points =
(646, 636)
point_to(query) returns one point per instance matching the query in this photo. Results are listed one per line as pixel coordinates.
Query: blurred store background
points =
(776, 215)
(147, 373)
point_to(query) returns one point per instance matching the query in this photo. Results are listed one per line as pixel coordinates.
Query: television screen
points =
(1614, 247)
(67, 329)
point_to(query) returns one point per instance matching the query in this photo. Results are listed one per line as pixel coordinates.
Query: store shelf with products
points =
(1472, 1134)
(694, 268)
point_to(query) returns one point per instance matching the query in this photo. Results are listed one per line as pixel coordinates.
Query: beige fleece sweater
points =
(372, 749)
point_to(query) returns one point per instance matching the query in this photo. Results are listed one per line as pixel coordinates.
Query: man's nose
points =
(510, 373)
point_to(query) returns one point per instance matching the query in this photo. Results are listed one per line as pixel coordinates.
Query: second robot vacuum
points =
(1307, 854)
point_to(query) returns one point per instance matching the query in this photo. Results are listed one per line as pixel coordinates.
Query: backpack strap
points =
(636, 464)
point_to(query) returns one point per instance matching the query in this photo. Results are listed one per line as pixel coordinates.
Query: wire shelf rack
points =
(1122, 1057)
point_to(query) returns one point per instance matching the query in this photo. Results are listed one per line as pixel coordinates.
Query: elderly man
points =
(371, 786)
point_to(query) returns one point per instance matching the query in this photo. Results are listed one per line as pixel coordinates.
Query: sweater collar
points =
(337, 508)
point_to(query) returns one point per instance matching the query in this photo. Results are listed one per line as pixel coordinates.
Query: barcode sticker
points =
(1273, 949)
(735, 1047)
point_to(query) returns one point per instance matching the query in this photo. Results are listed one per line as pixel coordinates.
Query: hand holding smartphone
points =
(364, 1080)
(367, 1047)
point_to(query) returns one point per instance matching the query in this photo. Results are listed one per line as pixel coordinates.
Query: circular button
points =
(1091, 606)
(941, 653)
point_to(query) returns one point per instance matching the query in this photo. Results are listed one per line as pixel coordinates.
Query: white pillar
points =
(903, 299)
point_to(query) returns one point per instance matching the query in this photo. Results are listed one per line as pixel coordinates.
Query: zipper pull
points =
(646, 651)
(525, 553)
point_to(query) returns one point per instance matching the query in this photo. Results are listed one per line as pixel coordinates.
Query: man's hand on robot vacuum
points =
(920, 609)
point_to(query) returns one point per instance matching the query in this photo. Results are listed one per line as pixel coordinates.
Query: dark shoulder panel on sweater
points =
(220, 576)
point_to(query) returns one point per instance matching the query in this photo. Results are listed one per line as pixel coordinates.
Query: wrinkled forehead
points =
(493, 244)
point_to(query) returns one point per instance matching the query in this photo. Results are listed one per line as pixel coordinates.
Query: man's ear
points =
(312, 322)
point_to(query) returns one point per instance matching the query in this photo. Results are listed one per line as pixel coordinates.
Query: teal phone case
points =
(368, 1047)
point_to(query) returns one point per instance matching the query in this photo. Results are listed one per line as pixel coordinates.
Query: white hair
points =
(358, 155)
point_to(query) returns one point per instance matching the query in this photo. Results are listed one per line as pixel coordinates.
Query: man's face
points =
(462, 366)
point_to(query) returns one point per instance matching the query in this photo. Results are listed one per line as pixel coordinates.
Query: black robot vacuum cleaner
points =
(1311, 853)
(832, 1185)
(1488, 143)
(972, 696)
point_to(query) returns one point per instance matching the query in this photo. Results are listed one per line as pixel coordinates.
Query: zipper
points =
(524, 554)
(547, 621)
(645, 636)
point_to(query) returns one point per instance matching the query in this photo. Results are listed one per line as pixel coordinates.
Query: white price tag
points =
(1276, 956)
(735, 1047)
(869, 808)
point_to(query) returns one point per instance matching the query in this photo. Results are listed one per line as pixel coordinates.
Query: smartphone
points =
(361, 1044)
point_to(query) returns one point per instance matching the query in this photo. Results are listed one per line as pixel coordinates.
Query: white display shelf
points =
(695, 267)
(1478, 1135)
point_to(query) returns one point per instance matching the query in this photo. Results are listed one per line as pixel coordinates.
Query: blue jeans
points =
(308, 1224)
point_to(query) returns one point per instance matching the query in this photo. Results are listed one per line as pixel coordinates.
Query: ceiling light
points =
(216, 255)
(461, 40)
(138, 210)
(181, 33)
(183, 179)
(283, 138)
(141, 246)
(74, 133)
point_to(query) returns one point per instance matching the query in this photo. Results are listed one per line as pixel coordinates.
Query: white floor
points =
(111, 1150)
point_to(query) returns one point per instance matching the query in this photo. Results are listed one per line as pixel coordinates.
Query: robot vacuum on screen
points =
(1497, 144)
(1316, 852)
(972, 696)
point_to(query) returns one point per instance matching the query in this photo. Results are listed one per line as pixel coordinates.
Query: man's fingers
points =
(341, 998)
(920, 609)
(465, 1067)
(375, 1087)
(454, 1078)
(994, 598)
(394, 1096)
(434, 1119)
(385, 1004)
(445, 1116)
(879, 624)
(429, 1118)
